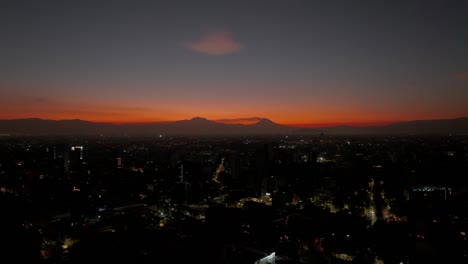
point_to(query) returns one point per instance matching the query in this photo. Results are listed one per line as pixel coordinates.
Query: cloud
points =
(463, 76)
(244, 121)
(214, 43)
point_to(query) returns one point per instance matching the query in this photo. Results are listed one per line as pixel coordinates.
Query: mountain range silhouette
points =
(203, 126)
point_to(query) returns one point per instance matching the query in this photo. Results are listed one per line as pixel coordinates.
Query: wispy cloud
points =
(214, 43)
(461, 76)
(244, 121)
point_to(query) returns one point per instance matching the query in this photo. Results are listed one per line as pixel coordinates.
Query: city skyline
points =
(306, 63)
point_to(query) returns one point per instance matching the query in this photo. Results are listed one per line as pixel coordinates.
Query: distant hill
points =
(202, 126)
(36, 126)
(194, 126)
(419, 127)
(443, 126)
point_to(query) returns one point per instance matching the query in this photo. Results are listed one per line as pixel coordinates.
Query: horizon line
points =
(227, 122)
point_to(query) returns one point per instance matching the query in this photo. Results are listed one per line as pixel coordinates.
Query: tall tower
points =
(181, 176)
(183, 187)
(66, 160)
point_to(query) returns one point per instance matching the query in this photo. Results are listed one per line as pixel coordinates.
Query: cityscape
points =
(260, 199)
(234, 131)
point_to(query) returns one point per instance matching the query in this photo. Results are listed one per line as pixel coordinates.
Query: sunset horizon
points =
(234, 131)
(240, 121)
(307, 64)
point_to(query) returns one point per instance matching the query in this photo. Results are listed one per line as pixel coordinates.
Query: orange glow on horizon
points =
(351, 123)
(148, 110)
(128, 119)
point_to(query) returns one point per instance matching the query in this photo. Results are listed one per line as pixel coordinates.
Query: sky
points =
(295, 62)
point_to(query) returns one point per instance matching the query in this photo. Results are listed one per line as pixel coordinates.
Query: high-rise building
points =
(77, 152)
(119, 163)
(76, 157)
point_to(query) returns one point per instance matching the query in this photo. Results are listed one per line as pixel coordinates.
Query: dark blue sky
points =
(292, 61)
